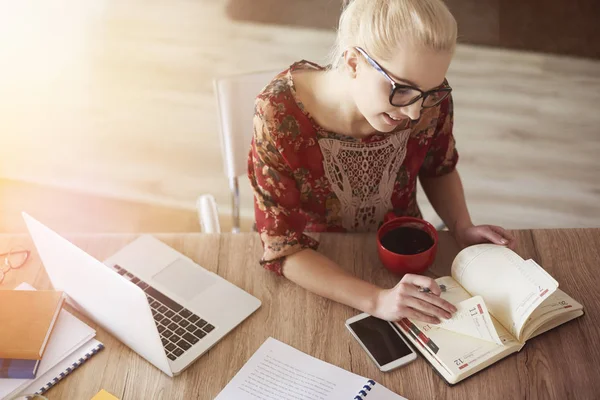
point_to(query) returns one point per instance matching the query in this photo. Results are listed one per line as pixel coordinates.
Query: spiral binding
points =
(73, 366)
(362, 394)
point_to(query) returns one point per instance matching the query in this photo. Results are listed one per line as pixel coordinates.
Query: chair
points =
(235, 107)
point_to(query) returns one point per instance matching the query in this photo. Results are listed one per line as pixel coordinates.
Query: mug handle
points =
(390, 215)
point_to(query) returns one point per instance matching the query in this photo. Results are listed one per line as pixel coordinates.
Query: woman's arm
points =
(322, 276)
(446, 195)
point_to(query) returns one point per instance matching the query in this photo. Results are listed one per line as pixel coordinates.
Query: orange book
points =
(26, 322)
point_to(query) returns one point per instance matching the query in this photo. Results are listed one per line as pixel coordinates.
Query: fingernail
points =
(454, 309)
(503, 241)
(448, 315)
(437, 321)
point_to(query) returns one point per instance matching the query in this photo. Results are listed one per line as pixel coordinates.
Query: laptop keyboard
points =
(179, 328)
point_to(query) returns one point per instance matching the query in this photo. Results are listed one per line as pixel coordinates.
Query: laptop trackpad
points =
(184, 279)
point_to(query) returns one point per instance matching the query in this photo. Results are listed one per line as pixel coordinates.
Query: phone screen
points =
(381, 339)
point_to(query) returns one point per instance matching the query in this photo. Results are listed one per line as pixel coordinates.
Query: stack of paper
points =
(71, 341)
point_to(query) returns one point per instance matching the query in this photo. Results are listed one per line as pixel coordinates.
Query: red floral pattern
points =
(292, 193)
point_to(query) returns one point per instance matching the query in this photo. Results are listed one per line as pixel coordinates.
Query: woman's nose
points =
(412, 111)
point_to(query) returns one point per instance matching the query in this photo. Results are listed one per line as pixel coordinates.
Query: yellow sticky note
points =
(104, 395)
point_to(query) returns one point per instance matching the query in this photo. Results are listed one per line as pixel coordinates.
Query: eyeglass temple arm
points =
(376, 66)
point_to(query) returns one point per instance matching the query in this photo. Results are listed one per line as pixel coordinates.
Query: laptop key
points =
(184, 345)
(190, 338)
(163, 299)
(208, 328)
(171, 357)
(158, 317)
(199, 333)
(177, 318)
(167, 333)
(180, 331)
(191, 328)
(129, 275)
(193, 318)
(201, 323)
(184, 323)
(135, 280)
(142, 285)
(174, 338)
(170, 347)
(162, 309)
(173, 326)
(154, 312)
(178, 352)
(121, 272)
(160, 329)
(169, 313)
(185, 313)
(117, 267)
(165, 341)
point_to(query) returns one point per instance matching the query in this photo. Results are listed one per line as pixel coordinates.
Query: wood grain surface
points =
(560, 364)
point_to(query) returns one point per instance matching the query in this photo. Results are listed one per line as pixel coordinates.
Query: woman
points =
(336, 148)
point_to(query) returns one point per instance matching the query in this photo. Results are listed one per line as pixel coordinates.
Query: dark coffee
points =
(406, 240)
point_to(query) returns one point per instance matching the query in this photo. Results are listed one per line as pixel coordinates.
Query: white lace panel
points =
(362, 175)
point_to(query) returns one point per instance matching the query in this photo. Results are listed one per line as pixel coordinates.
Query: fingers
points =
(494, 236)
(422, 281)
(419, 316)
(503, 232)
(427, 305)
(511, 241)
(427, 308)
(436, 301)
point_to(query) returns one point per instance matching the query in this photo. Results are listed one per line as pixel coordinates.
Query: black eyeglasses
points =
(405, 95)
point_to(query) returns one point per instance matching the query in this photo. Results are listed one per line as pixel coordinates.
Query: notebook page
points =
(380, 392)
(277, 371)
(473, 319)
(511, 287)
(41, 380)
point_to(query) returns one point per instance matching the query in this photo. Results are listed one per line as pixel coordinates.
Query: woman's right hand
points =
(405, 300)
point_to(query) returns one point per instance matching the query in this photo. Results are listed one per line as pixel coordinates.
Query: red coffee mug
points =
(406, 263)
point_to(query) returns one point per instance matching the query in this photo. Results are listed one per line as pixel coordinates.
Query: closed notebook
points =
(70, 342)
(26, 322)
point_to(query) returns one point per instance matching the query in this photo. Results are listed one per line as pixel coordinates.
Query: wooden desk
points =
(560, 364)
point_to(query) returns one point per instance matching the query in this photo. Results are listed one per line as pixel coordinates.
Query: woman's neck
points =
(337, 108)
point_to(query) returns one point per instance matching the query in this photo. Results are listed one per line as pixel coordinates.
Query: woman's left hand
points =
(475, 234)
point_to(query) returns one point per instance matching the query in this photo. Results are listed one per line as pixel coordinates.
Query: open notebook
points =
(71, 343)
(502, 301)
(278, 371)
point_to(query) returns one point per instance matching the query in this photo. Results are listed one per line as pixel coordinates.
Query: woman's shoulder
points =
(279, 94)
(277, 106)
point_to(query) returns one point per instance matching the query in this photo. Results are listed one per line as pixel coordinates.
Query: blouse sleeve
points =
(276, 195)
(441, 157)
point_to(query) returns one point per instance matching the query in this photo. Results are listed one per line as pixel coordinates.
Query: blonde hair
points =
(380, 26)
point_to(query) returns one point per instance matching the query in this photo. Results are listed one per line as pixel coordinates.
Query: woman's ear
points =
(351, 62)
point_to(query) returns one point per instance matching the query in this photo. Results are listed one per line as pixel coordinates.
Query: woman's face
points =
(414, 66)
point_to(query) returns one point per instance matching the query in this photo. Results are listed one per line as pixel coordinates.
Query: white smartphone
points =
(382, 342)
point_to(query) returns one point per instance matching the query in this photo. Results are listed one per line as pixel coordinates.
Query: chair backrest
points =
(235, 104)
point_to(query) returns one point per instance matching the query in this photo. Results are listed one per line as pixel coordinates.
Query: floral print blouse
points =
(307, 179)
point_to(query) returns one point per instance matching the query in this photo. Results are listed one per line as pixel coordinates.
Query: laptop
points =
(152, 298)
